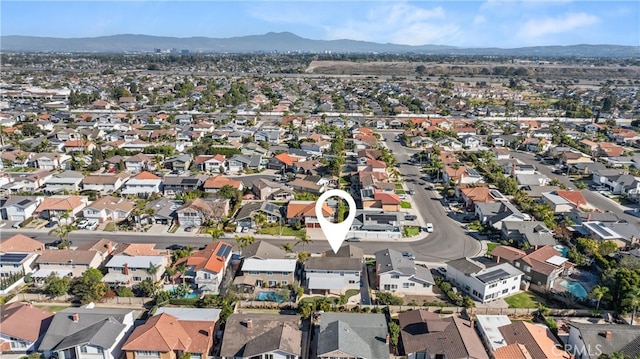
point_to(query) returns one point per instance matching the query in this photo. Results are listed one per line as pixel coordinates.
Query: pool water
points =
(188, 295)
(575, 288)
(270, 296)
(562, 249)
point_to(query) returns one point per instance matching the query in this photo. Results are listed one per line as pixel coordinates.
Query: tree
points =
(387, 298)
(56, 286)
(260, 219)
(287, 247)
(89, 287)
(632, 299)
(215, 233)
(303, 238)
(597, 293)
(244, 241)
(394, 333)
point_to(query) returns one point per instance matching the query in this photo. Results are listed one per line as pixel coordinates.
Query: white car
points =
(82, 224)
(92, 225)
(429, 227)
(402, 196)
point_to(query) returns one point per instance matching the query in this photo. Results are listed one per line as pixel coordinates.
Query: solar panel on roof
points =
(382, 218)
(24, 202)
(223, 251)
(601, 230)
(12, 257)
(493, 276)
(190, 181)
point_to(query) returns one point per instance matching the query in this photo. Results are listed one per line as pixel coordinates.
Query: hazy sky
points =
(498, 23)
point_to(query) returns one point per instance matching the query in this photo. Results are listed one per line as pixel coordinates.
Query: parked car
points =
(16, 225)
(410, 217)
(442, 270)
(429, 227)
(188, 229)
(92, 225)
(411, 192)
(175, 247)
(51, 224)
(82, 224)
(402, 196)
(353, 239)
(409, 255)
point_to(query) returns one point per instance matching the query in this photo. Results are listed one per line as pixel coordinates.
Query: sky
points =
(480, 23)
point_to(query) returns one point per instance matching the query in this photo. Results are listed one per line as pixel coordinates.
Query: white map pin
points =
(336, 233)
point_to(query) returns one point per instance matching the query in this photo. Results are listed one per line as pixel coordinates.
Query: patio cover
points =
(325, 283)
(44, 273)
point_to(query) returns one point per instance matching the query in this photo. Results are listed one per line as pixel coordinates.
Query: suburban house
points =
(531, 233)
(506, 340)
(270, 190)
(351, 335)
(564, 201)
(104, 183)
(264, 264)
(307, 185)
(83, 146)
(179, 163)
(422, 335)
(304, 213)
(71, 263)
(108, 209)
(58, 206)
(238, 163)
(332, 274)
(16, 263)
(253, 335)
(18, 208)
(609, 338)
(200, 210)
(207, 267)
(21, 327)
(245, 216)
(484, 281)
(88, 332)
(282, 162)
(541, 267)
(388, 202)
(19, 243)
(131, 270)
(138, 163)
(173, 332)
(70, 181)
(209, 163)
(470, 195)
(214, 184)
(398, 273)
(143, 184)
(174, 185)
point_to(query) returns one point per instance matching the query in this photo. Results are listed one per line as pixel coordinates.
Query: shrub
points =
(445, 311)
(190, 302)
(552, 325)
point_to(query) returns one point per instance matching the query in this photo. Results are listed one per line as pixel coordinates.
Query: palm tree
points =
(152, 270)
(303, 238)
(244, 241)
(260, 219)
(632, 299)
(287, 247)
(597, 293)
(215, 233)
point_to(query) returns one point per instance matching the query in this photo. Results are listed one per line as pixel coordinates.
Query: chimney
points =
(249, 323)
(126, 269)
(386, 340)
(608, 335)
(75, 317)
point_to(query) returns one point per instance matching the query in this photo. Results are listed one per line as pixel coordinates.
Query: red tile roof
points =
(387, 198)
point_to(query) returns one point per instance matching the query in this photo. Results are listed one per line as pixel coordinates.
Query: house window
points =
(513, 288)
(207, 275)
(515, 279)
(493, 285)
(290, 356)
(284, 282)
(137, 279)
(518, 264)
(273, 283)
(146, 353)
(395, 276)
(504, 291)
(269, 273)
(268, 356)
(195, 356)
(405, 285)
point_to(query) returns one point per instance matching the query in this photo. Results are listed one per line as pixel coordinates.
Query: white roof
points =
(113, 277)
(268, 265)
(490, 325)
(556, 260)
(192, 314)
(44, 273)
(135, 261)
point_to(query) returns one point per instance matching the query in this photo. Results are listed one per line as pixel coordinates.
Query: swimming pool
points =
(186, 295)
(270, 296)
(575, 288)
(562, 249)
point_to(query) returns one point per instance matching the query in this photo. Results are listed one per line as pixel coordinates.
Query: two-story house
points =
(398, 273)
(58, 206)
(88, 332)
(21, 327)
(143, 184)
(212, 164)
(138, 163)
(263, 265)
(484, 282)
(18, 208)
(206, 268)
(131, 270)
(105, 183)
(66, 263)
(173, 185)
(332, 274)
(108, 209)
(70, 181)
(269, 190)
(200, 210)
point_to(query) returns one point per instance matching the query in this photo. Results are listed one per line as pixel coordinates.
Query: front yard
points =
(411, 231)
(275, 231)
(405, 205)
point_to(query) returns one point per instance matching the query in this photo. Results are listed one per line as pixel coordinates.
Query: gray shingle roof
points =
(359, 335)
(238, 340)
(624, 338)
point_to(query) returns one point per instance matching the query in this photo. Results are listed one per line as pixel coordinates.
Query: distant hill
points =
(285, 42)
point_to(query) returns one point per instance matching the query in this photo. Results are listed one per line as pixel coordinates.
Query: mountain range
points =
(285, 42)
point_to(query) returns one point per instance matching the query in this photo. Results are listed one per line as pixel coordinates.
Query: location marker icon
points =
(336, 233)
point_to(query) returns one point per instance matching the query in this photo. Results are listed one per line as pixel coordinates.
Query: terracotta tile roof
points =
(102, 245)
(286, 159)
(113, 204)
(23, 321)
(207, 259)
(508, 253)
(387, 198)
(65, 256)
(162, 333)
(77, 143)
(366, 131)
(539, 341)
(481, 194)
(68, 203)
(20, 243)
(144, 175)
(221, 181)
(306, 208)
(376, 164)
(574, 197)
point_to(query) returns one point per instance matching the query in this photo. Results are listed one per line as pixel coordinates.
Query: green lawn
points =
(399, 186)
(351, 292)
(331, 300)
(523, 300)
(400, 191)
(110, 227)
(286, 231)
(490, 247)
(52, 308)
(405, 205)
(411, 231)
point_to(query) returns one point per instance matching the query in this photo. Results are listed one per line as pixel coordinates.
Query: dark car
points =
(51, 224)
(57, 242)
(175, 247)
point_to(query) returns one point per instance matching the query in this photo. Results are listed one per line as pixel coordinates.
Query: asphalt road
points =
(448, 240)
(594, 198)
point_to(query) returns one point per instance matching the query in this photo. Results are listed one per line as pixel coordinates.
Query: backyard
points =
(524, 300)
